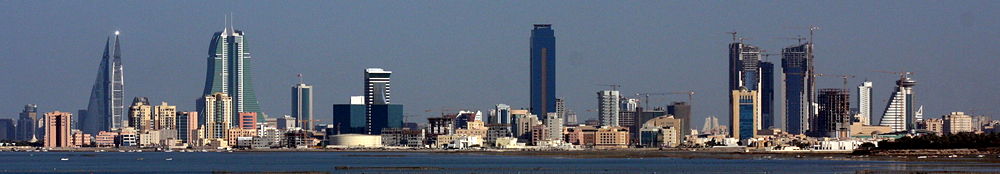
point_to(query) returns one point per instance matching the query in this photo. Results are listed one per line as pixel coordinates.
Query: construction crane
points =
(842, 76)
(689, 93)
(613, 86)
(798, 38)
(902, 74)
(646, 100)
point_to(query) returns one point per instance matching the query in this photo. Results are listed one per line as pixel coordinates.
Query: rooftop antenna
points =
(812, 29)
(734, 35)
(231, 20)
(300, 78)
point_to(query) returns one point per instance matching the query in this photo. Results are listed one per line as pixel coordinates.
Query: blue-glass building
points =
(796, 64)
(349, 118)
(386, 116)
(543, 70)
(106, 106)
(745, 120)
(767, 94)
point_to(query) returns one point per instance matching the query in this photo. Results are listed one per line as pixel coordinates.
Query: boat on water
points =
(170, 159)
(64, 159)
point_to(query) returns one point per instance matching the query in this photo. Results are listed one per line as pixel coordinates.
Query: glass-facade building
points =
(543, 70)
(106, 105)
(386, 116)
(797, 66)
(349, 118)
(229, 71)
(302, 102)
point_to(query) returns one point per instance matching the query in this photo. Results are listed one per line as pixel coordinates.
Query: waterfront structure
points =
(79, 139)
(27, 124)
(799, 84)
(7, 129)
(543, 69)
(582, 135)
(106, 105)
(164, 116)
(218, 117)
(140, 114)
(608, 107)
(187, 127)
(865, 103)
(350, 118)
(957, 122)
(682, 111)
(745, 120)
(834, 118)
(302, 105)
(57, 129)
(247, 120)
(229, 72)
(766, 95)
(377, 92)
(355, 140)
(611, 137)
(899, 113)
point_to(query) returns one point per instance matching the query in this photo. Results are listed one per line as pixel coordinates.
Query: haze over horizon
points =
(474, 55)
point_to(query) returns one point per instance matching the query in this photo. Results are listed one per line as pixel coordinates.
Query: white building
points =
(608, 107)
(865, 103)
(957, 122)
(900, 114)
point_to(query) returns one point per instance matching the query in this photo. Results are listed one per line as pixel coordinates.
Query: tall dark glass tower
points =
(767, 94)
(229, 67)
(104, 112)
(745, 76)
(543, 70)
(797, 65)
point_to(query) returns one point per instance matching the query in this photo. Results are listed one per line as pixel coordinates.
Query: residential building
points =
(899, 113)
(140, 114)
(799, 85)
(287, 122)
(865, 103)
(57, 129)
(247, 120)
(106, 107)
(935, 125)
(80, 139)
(302, 105)
(745, 120)
(229, 72)
(662, 131)
(218, 119)
(235, 133)
(106, 139)
(523, 124)
(403, 137)
(553, 127)
(607, 107)
(543, 69)
(187, 127)
(165, 117)
(957, 122)
(834, 119)
(583, 135)
(611, 138)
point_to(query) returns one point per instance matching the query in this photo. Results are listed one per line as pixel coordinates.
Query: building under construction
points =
(834, 118)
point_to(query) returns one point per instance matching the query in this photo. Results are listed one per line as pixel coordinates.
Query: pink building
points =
(57, 133)
(106, 139)
(248, 120)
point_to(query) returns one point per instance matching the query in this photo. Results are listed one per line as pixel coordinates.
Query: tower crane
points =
(689, 93)
(613, 86)
(902, 74)
(646, 100)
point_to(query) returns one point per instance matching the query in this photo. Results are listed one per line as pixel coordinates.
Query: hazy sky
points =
(474, 54)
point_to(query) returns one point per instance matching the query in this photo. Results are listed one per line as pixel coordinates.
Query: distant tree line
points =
(965, 140)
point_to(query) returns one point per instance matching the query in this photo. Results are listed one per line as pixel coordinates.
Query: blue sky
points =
(474, 54)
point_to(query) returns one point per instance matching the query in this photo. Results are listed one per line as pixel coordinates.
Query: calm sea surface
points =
(377, 162)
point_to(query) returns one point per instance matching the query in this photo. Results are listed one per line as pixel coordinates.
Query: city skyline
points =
(573, 47)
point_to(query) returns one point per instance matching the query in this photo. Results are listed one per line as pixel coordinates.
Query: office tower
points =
(745, 73)
(389, 116)
(957, 122)
(797, 66)
(140, 114)
(187, 126)
(865, 103)
(302, 101)
(834, 118)
(218, 119)
(502, 114)
(106, 107)
(745, 120)
(7, 129)
(229, 71)
(377, 91)
(27, 124)
(165, 116)
(767, 94)
(560, 108)
(899, 113)
(350, 118)
(247, 120)
(629, 104)
(57, 131)
(682, 111)
(543, 70)
(607, 107)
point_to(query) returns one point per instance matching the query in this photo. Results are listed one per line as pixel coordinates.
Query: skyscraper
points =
(865, 103)
(218, 119)
(899, 112)
(745, 74)
(302, 102)
(187, 126)
(376, 93)
(767, 94)
(607, 107)
(745, 120)
(164, 116)
(543, 70)
(502, 115)
(106, 107)
(229, 71)
(834, 118)
(350, 118)
(57, 129)
(27, 124)
(797, 66)
(140, 114)
(7, 129)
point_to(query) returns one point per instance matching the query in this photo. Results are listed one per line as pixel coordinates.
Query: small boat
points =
(980, 156)
(140, 159)
(921, 157)
(64, 159)
(170, 159)
(953, 156)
